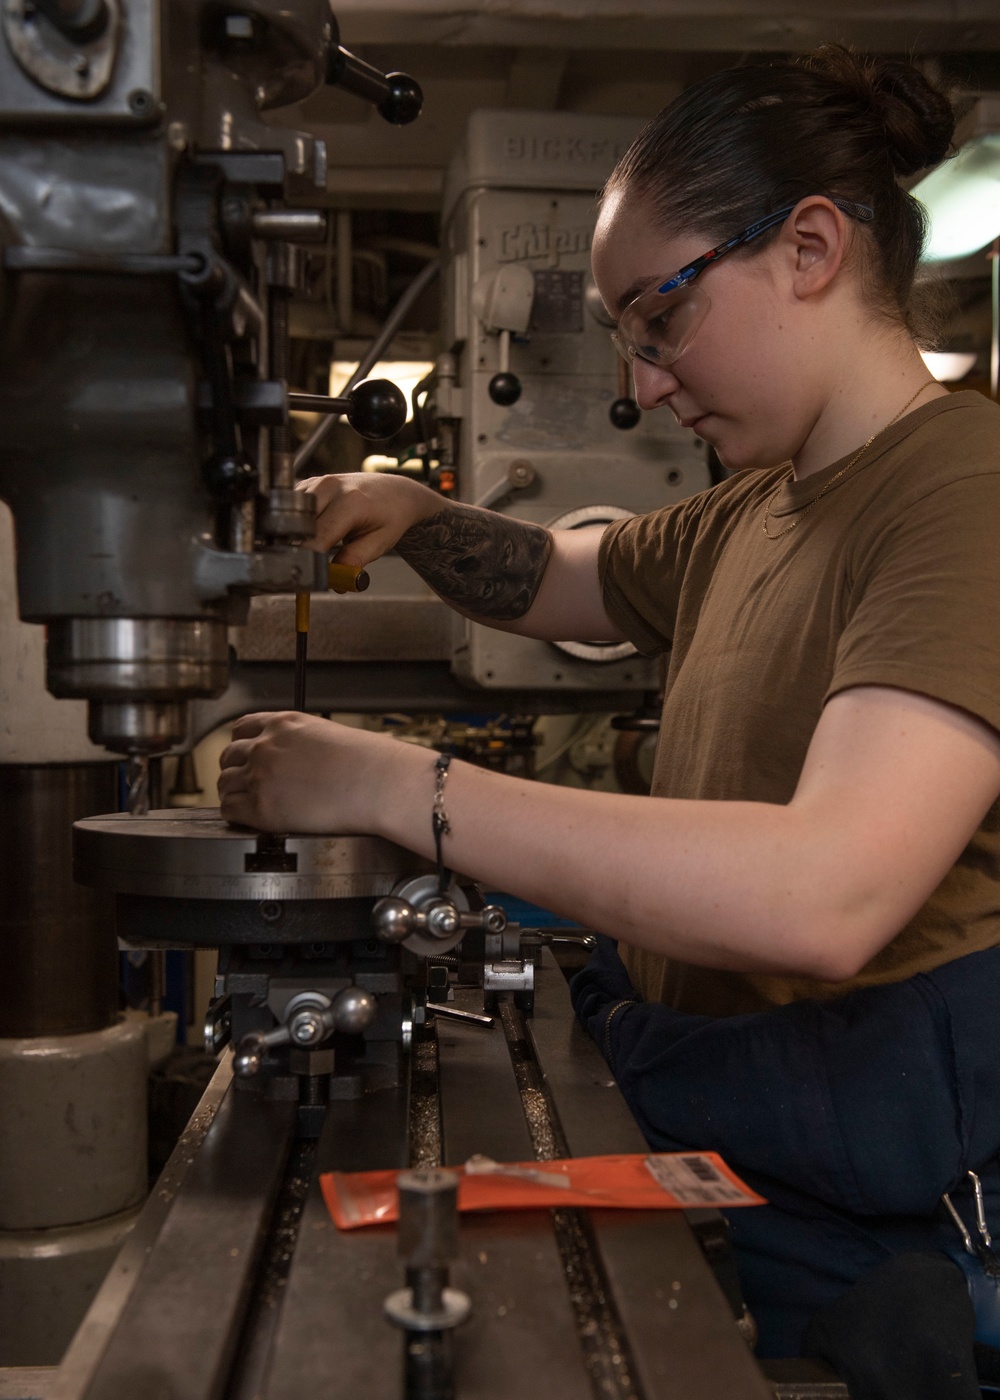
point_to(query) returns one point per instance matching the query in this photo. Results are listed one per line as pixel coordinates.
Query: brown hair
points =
(747, 141)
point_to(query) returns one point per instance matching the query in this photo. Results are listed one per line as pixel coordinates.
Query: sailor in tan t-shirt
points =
(808, 903)
(892, 580)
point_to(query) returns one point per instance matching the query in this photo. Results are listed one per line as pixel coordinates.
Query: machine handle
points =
(376, 409)
(396, 919)
(310, 1018)
(396, 96)
(346, 578)
(624, 414)
(537, 939)
(455, 1013)
(505, 387)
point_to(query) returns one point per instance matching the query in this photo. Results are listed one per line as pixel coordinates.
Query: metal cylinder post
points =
(57, 940)
(427, 1309)
(72, 1075)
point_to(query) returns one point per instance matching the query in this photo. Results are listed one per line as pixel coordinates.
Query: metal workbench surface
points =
(236, 1283)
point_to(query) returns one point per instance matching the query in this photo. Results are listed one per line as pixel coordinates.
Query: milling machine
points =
(151, 226)
(382, 1016)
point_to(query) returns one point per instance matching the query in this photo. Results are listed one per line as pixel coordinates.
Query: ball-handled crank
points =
(375, 408)
(396, 96)
(417, 915)
(310, 1018)
(396, 919)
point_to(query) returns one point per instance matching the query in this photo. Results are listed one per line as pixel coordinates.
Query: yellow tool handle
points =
(347, 578)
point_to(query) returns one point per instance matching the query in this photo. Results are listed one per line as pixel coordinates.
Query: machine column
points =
(72, 1073)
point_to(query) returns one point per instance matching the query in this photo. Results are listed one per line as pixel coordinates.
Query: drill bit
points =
(137, 781)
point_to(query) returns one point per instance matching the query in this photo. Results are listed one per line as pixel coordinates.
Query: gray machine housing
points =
(522, 191)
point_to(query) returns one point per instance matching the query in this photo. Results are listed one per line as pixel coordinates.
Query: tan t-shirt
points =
(893, 579)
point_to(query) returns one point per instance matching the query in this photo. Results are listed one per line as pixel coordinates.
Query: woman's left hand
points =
(294, 772)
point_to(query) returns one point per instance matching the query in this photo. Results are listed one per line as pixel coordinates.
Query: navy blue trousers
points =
(851, 1116)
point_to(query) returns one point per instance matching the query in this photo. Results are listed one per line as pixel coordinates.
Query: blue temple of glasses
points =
(862, 212)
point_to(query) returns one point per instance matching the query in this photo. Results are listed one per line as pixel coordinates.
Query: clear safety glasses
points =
(659, 325)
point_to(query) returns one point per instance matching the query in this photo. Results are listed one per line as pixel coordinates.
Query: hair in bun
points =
(917, 119)
(746, 141)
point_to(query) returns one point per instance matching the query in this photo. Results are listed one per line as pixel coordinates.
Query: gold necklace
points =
(834, 479)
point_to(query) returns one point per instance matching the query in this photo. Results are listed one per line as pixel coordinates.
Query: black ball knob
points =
(505, 389)
(376, 409)
(405, 100)
(624, 413)
(231, 477)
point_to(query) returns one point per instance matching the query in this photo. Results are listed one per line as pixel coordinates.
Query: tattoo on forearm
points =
(484, 563)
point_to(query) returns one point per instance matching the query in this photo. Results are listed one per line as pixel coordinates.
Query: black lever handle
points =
(504, 388)
(624, 414)
(396, 96)
(376, 409)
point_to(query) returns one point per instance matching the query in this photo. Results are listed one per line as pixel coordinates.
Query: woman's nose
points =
(653, 384)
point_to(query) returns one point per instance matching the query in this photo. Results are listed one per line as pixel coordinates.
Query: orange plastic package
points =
(636, 1181)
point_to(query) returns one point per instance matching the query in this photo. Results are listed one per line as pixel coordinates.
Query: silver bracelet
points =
(440, 824)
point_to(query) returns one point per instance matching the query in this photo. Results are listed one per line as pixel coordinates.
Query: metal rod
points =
(277, 335)
(345, 283)
(452, 1013)
(371, 357)
(101, 264)
(317, 403)
(60, 959)
(624, 379)
(291, 225)
(960, 1224)
(157, 965)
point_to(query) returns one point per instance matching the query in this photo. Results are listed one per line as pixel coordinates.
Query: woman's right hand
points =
(366, 513)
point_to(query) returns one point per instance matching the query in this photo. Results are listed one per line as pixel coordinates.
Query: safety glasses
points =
(659, 325)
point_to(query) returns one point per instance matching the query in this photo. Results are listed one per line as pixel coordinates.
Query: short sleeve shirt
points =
(890, 577)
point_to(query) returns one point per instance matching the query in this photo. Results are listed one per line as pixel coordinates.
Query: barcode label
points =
(694, 1179)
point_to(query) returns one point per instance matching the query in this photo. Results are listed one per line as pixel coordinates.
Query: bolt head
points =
(443, 920)
(307, 1028)
(231, 478)
(141, 103)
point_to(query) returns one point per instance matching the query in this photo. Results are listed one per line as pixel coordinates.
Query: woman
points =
(808, 908)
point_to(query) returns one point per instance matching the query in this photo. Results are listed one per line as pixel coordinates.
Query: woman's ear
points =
(815, 241)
